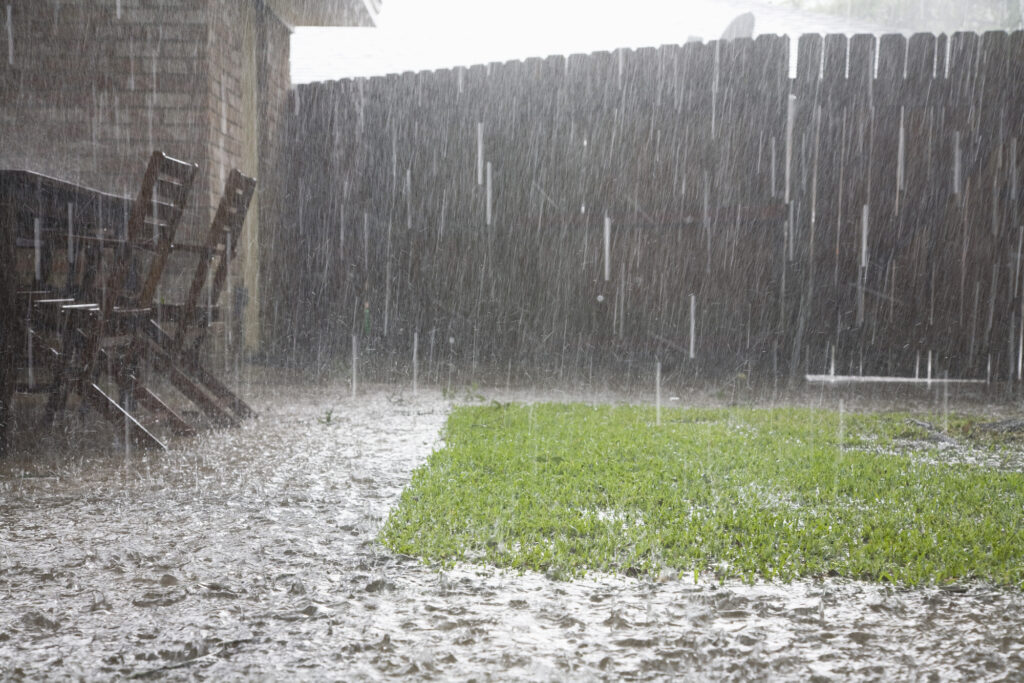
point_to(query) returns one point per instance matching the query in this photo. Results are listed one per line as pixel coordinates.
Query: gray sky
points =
(414, 35)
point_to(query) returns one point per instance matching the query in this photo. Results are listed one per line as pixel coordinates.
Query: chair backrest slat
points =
(224, 232)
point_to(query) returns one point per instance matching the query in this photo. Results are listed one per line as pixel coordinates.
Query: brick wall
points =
(274, 86)
(229, 55)
(248, 60)
(226, 27)
(91, 88)
(88, 90)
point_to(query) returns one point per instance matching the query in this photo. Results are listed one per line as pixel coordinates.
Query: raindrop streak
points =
(1013, 169)
(10, 38)
(394, 156)
(355, 364)
(842, 420)
(415, 360)
(790, 117)
(131, 64)
(621, 300)
(31, 365)
(228, 302)
(209, 297)
(37, 226)
(156, 215)
(714, 87)
(814, 179)
(366, 241)
(71, 233)
(862, 276)
(1020, 343)
(657, 393)
(693, 326)
(430, 355)
(1016, 263)
(995, 205)
(489, 193)
(840, 437)
(387, 281)
(790, 232)
(118, 9)
(864, 237)
(956, 162)
(341, 237)
(362, 106)
(408, 198)
(223, 128)
(607, 248)
(444, 208)
(774, 191)
(945, 402)
(901, 158)
(479, 153)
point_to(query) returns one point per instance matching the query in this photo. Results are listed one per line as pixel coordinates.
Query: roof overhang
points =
(326, 12)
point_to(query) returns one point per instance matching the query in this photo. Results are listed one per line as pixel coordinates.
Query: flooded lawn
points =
(253, 553)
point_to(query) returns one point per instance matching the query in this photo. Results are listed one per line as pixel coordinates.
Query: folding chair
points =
(108, 332)
(86, 340)
(221, 245)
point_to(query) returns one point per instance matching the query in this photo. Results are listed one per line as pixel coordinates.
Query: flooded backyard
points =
(253, 553)
(706, 222)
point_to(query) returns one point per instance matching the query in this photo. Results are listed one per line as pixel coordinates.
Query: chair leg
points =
(110, 409)
(155, 404)
(57, 399)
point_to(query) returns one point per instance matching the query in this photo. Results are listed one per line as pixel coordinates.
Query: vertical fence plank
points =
(685, 148)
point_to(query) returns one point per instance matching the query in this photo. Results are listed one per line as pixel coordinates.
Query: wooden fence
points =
(693, 203)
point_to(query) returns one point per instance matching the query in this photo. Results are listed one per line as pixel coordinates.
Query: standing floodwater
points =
(252, 553)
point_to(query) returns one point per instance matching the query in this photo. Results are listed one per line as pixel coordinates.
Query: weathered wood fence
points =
(692, 202)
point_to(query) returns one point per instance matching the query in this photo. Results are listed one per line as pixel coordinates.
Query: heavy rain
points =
(301, 326)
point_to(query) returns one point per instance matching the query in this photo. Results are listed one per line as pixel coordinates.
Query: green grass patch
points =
(773, 493)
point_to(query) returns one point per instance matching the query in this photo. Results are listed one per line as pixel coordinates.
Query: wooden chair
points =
(95, 336)
(181, 350)
(177, 357)
(81, 342)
